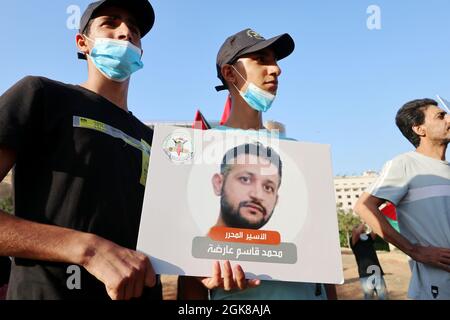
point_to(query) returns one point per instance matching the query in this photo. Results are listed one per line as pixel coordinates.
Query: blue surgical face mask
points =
(115, 59)
(257, 98)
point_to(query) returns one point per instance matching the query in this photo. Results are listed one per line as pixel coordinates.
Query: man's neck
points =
(243, 116)
(116, 92)
(433, 150)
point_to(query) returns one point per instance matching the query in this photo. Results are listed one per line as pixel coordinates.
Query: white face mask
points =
(257, 98)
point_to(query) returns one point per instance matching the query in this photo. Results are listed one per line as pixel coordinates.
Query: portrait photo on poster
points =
(247, 198)
(245, 190)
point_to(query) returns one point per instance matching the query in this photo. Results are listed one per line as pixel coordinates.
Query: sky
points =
(355, 64)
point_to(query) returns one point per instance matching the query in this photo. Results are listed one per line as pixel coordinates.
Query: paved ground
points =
(395, 267)
(169, 287)
(394, 264)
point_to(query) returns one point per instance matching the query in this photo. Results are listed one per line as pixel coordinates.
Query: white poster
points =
(265, 203)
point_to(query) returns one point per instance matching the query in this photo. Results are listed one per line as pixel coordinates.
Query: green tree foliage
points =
(6, 205)
(347, 221)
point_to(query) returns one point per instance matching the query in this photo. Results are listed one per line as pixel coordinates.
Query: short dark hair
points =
(256, 149)
(411, 115)
(87, 30)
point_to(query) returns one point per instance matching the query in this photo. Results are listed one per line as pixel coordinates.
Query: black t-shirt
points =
(5, 267)
(81, 164)
(365, 256)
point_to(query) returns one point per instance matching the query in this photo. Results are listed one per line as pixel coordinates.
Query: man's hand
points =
(231, 278)
(123, 271)
(436, 257)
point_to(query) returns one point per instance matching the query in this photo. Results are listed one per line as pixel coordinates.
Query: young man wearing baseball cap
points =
(247, 65)
(80, 160)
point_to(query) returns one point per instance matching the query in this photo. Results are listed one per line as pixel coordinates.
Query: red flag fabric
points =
(200, 122)
(389, 211)
(226, 111)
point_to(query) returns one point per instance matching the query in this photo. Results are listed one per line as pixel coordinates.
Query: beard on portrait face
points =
(232, 216)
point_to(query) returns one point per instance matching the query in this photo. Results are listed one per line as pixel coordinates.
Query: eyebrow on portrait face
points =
(266, 180)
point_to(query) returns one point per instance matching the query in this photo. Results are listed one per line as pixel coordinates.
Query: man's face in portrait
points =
(248, 192)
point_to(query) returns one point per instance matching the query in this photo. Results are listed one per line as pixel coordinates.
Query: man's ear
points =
(419, 130)
(82, 43)
(228, 74)
(217, 182)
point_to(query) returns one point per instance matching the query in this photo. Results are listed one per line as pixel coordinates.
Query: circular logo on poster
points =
(178, 147)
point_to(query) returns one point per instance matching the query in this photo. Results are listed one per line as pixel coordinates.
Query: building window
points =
(348, 197)
(339, 197)
(349, 203)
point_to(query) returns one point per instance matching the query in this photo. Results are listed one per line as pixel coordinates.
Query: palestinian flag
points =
(226, 111)
(200, 122)
(390, 214)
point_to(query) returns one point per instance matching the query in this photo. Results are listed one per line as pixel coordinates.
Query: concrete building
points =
(349, 188)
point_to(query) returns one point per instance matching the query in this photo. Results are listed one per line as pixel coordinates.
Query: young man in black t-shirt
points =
(81, 161)
(369, 268)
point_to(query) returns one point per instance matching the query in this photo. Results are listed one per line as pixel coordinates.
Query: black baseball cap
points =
(249, 41)
(141, 10)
